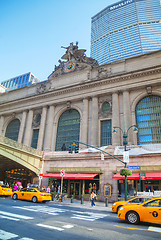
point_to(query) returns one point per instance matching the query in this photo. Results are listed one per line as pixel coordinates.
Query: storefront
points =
(74, 184)
(138, 182)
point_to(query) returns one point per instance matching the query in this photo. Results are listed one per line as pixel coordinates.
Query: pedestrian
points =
(93, 197)
(15, 187)
(48, 189)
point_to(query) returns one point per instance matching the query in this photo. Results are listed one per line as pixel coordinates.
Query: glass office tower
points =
(125, 29)
(20, 81)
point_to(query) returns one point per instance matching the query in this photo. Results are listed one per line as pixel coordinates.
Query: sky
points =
(33, 31)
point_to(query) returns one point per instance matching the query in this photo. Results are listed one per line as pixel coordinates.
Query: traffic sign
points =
(142, 175)
(62, 173)
(133, 167)
(41, 175)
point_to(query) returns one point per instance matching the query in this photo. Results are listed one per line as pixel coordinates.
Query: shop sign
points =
(107, 190)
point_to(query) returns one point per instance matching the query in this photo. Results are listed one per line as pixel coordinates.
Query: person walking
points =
(93, 197)
(48, 189)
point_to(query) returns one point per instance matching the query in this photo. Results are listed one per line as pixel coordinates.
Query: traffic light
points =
(70, 149)
(77, 149)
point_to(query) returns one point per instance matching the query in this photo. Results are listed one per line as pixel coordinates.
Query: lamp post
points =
(125, 142)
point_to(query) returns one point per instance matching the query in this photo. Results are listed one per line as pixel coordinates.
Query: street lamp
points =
(125, 142)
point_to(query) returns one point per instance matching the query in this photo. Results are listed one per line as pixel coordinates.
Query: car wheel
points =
(132, 217)
(34, 199)
(14, 197)
(118, 208)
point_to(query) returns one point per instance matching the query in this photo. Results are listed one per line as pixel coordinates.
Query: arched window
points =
(12, 130)
(68, 129)
(106, 107)
(148, 119)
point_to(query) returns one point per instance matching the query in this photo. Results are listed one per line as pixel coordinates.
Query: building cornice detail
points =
(91, 84)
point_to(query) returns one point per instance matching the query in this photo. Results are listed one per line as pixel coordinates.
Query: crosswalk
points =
(8, 235)
(13, 216)
(86, 216)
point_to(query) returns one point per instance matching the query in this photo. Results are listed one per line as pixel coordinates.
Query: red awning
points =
(134, 176)
(153, 176)
(71, 175)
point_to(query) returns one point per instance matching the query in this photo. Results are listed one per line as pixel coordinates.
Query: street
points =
(22, 220)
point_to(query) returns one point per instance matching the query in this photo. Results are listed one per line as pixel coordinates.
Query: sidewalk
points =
(86, 204)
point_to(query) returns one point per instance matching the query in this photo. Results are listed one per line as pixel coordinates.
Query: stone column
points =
(1, 124)
(127, 115)
(94, 122)
(42, 129)
(49, 129)
(28, 130)
(84, 125)
(116, 137)
(22, 127)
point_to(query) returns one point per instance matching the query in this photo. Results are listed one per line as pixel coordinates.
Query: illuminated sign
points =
(121, 4)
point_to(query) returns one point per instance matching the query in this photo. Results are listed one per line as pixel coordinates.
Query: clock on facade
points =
(70, 66)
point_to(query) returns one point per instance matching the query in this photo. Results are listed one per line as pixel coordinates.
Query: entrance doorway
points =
(75, 189)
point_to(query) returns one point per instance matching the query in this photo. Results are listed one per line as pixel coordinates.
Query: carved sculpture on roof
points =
(75, 59)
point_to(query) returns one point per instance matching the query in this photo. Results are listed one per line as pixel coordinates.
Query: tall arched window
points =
(68, 129)
(148, 119)
(12, 130)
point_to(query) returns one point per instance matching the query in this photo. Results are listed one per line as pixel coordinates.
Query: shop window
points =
(148, 120)
(12, 130)
(68, 129)
(106, 133)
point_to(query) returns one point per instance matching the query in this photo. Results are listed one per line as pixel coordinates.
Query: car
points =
(116, 206)
(31, 194)
(149, 211)
(5, 190)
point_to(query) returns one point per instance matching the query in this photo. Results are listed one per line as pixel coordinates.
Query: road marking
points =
(7, 235)
(14, 219)
(15, 215)
(48, 210)
(154, 229)
(50, 227)
(89, 216)
(83, 218)
(68, 226)
(131, 228)
(25, 238)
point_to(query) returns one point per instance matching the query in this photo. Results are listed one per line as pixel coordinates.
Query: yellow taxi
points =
(31, 194)
(5, 190)
(149, 211)
(116, 206)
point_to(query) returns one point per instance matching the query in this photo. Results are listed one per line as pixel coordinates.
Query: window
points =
(68, 128)
(148, 119)
(12, 130)
(35, 138)
(106, 133)
(106, 107)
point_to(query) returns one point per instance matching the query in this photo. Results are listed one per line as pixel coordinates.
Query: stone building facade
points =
(81, 84)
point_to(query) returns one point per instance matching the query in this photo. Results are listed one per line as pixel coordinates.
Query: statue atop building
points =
(75, 60)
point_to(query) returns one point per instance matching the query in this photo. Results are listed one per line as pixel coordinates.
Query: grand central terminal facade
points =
(83, 101)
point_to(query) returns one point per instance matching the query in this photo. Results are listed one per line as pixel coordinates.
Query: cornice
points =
(93, 83)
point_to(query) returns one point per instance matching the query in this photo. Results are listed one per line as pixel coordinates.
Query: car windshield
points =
(4, 186)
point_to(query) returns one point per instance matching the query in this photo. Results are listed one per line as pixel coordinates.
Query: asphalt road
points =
(22, 220)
